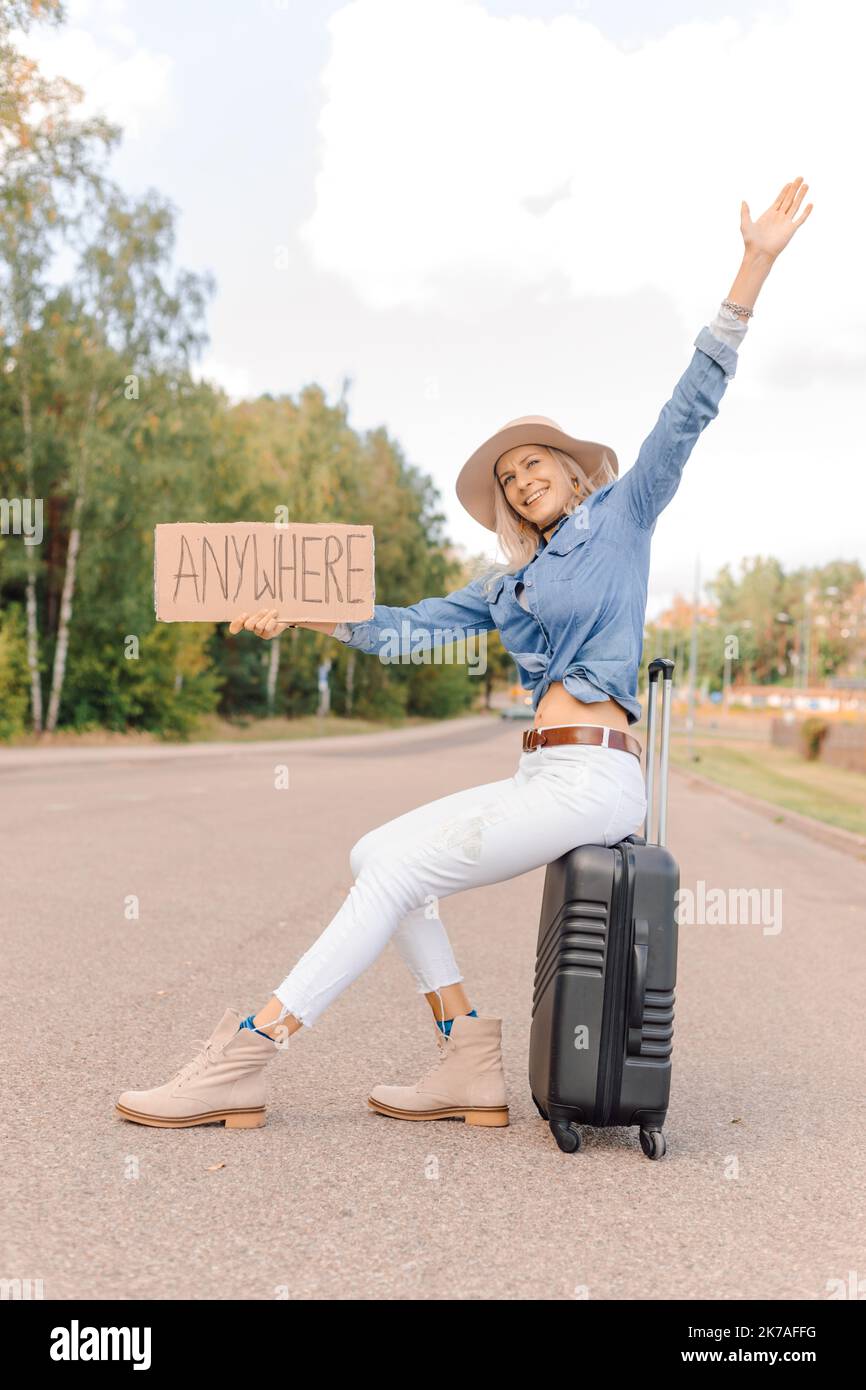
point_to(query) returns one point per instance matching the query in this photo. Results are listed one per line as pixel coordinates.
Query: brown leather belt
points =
(580, 733)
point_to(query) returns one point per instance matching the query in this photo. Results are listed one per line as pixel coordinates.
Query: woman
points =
(570, 607)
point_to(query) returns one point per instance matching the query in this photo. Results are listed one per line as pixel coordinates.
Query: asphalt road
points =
(761, 1194)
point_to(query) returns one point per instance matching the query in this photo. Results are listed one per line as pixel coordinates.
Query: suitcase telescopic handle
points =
(661, 668)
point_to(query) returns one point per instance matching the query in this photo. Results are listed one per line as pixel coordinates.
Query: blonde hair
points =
(518, 537)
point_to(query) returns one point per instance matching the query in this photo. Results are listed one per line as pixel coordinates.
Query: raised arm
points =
(649, 485)
(647, 488)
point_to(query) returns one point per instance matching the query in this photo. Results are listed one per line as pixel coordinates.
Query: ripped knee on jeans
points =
(464, 831)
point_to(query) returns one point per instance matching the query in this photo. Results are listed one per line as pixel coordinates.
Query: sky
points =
(479, 209)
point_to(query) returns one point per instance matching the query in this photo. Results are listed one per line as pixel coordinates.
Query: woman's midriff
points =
(558, 707)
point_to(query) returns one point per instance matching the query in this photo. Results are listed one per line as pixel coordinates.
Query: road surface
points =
(760, 1196)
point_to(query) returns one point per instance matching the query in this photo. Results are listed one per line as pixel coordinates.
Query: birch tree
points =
(122, 306)
(48, 160)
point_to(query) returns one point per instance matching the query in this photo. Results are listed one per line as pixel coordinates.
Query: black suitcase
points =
(606, 963)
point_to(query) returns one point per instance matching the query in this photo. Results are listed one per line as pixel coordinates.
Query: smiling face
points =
(535, 484)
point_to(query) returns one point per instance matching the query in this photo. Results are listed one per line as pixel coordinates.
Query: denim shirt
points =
(585, 590)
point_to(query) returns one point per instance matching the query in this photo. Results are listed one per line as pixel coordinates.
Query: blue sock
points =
(248, 1023)
(445, 1025)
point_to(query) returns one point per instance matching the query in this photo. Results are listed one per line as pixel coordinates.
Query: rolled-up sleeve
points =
(422, 626)
(720, 352)
(650, 484)
(731, 328)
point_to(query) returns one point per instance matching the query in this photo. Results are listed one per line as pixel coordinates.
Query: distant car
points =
(519, 709)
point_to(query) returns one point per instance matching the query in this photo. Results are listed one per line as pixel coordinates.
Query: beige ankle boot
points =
(224, 1082)
(467, 1082)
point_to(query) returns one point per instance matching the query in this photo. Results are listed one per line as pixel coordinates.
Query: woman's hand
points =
(775, 227)
(263, 624)
(267, 624)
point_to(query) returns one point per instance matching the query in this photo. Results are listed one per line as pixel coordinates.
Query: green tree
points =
(49, 167)
(121, 311)
(13, 674)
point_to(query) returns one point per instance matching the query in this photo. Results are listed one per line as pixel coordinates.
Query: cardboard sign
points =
(213, 571)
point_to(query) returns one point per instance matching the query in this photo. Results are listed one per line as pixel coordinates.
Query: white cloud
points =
(458, 145)
(535, 196)
(235, 381)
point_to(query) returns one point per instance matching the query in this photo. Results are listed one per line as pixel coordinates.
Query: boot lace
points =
(445, 1049)
(444, 1043)
(201, 1058)
(197, 1064)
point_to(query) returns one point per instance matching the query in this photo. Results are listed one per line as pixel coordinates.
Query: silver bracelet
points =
(729, 304)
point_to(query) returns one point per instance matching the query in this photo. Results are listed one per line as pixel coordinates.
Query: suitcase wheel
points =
(566, 1134)
(652, 1141)
(541, 1110)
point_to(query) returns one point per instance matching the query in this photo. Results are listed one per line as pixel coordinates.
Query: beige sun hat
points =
(476, 482)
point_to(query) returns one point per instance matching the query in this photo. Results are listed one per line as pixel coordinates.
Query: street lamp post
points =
(784, 618)
(693, 662)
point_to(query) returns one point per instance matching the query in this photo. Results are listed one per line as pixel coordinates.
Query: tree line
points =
(103, 424)
(766, 626)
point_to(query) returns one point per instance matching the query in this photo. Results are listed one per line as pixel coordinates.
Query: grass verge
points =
(829, 794)
(214, 729)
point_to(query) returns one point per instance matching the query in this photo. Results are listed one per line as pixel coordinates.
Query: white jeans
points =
(559, 797)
